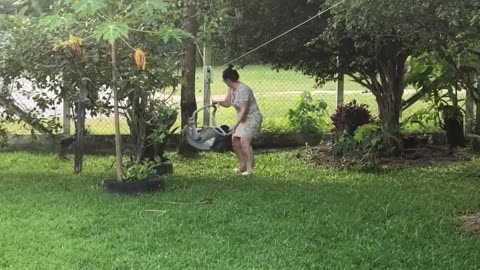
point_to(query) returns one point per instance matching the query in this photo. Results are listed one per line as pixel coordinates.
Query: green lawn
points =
(284, 217)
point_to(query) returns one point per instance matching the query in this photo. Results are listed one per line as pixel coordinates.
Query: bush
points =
(143, 171)
(308, 115)
(423, 120)
(368, 140)
(3, 136)
(277, 126)
(347, 118)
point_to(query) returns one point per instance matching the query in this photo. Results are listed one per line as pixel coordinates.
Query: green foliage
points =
(111, 31)
(143, 171)
(368, 142)
(149, 7)
(86, 8)
(423, 120)
(346, 146)
(277, 126)
(348, 117)
(308, 115)
(371, 48)
(55, 21)
(162, 118)
(3, 136)
(436, 79)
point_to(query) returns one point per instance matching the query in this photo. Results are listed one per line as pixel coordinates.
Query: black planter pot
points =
(152, 186)
(454, 128)
(165, 168)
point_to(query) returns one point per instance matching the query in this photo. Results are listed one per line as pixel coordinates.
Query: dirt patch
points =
(472, 222)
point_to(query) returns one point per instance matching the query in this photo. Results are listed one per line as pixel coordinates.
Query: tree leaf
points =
(88, 7)
(167, 34)
(52, 22)
(150, 7)
(111, 31)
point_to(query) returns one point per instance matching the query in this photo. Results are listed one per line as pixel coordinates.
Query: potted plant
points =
(137, 178)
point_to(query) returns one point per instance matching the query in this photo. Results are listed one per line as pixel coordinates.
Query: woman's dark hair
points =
(231, 74)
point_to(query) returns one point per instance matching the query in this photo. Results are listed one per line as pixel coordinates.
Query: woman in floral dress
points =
(249, 119)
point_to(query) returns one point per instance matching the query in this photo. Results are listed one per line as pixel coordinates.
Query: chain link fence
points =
(276, 93)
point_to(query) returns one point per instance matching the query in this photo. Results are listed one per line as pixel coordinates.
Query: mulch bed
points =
(420, 154)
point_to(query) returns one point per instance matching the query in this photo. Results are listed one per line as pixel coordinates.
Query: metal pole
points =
(207, 79)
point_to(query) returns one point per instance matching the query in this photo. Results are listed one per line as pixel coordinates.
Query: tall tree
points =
(371, 39)
(188, 99)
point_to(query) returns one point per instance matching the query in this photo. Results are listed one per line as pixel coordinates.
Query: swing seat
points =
(207, 138)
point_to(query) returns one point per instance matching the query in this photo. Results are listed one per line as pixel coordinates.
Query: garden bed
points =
(419, 151)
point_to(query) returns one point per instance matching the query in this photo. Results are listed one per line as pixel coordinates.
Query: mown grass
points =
(285, 217)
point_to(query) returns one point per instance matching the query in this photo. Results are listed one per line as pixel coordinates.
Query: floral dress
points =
(252, 123)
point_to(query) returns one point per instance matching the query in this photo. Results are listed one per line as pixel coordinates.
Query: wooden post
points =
(207, 79)
(80, 129)
(340, 90)
(469, 113)
(116, 113)
(66, 117)
(340, 87)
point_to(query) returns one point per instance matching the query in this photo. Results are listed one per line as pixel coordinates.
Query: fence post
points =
(66, 117)
(469, 104)
(207, 79)
(340, 89)
(340, 86)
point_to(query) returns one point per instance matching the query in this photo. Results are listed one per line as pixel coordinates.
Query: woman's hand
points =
(232, 130)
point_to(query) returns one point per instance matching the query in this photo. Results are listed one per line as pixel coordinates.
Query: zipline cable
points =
(283, 34)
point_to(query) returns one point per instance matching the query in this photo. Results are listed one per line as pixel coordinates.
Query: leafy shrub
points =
(277, 126)
(347, 118)
(161, 119)
(308, 115)
(3, 136)
(368, 140)
(143, 171)
(421, 121)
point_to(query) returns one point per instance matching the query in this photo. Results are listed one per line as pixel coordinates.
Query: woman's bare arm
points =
(241, 115)
(227, 102)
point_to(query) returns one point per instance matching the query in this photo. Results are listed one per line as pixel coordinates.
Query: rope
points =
(283, 34)
(200, 52)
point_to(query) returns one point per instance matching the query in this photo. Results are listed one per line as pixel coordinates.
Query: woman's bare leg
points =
(247, 150)
(237, 148)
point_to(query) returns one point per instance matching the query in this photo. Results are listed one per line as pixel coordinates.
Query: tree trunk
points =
(188, 100)
(389, 107)
(137, 114)
(118, 138)
(80, 130)
(389, 92)
(477, 117)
